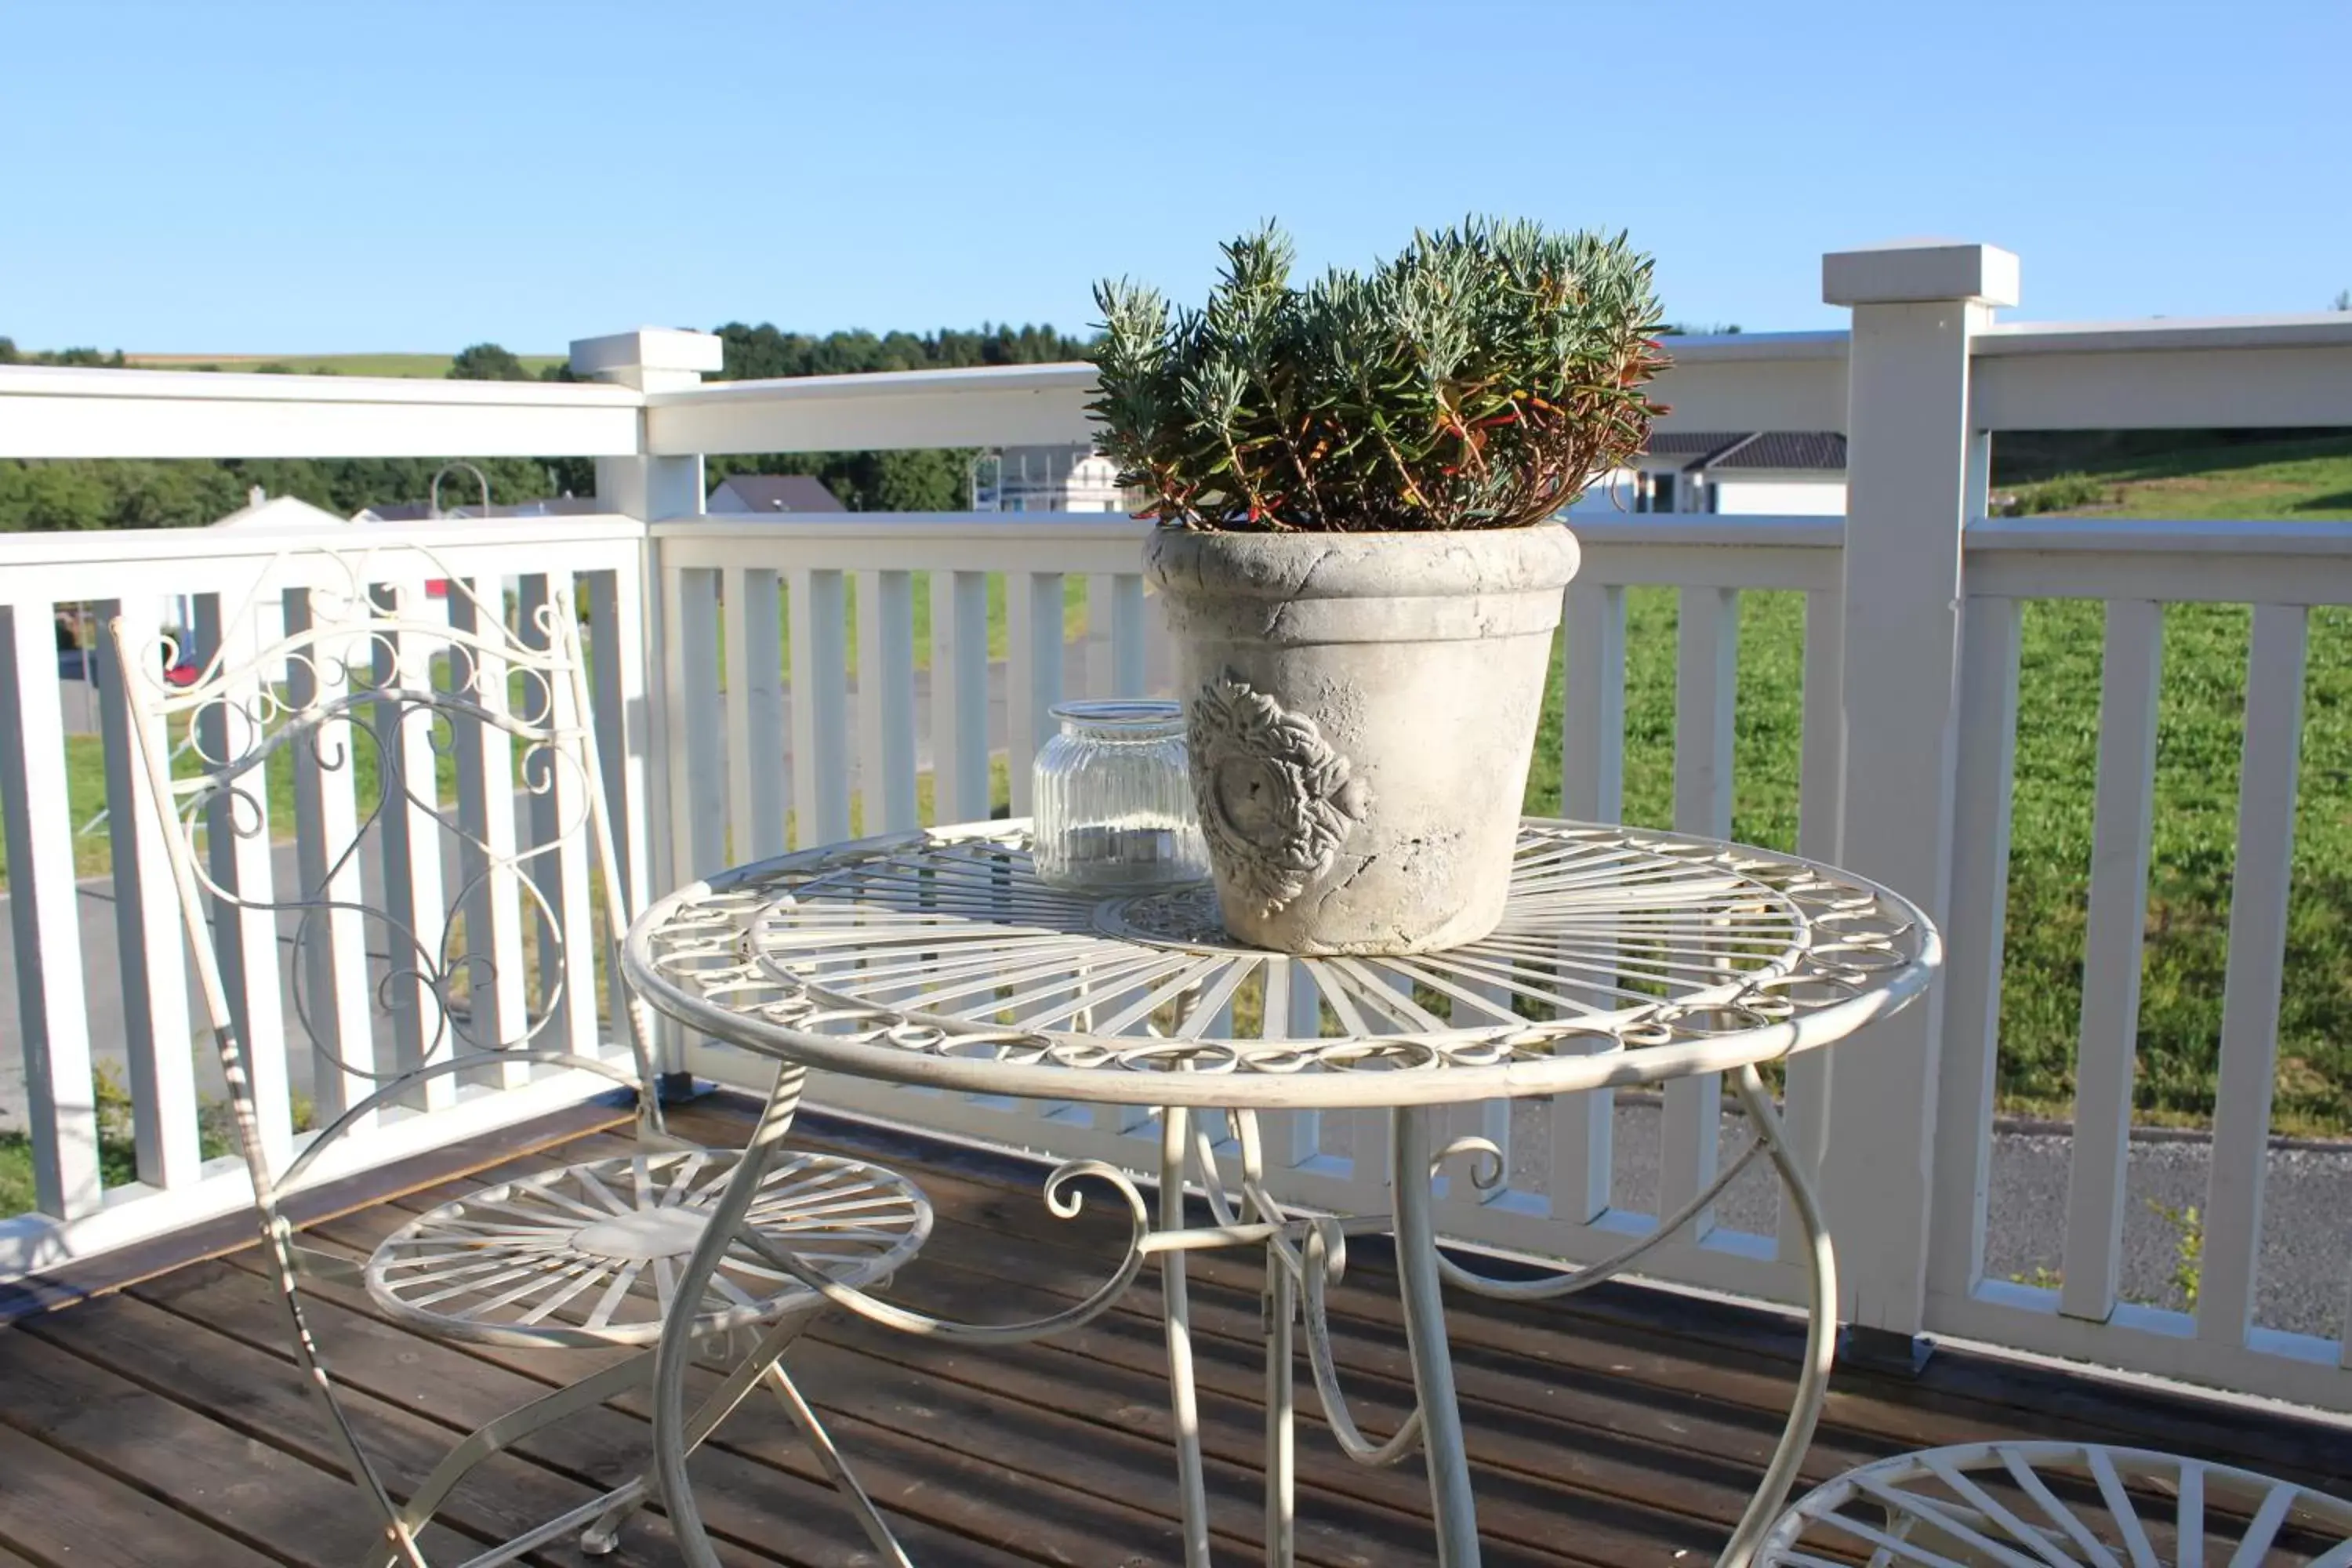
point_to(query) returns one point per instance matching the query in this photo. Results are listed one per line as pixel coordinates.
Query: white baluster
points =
(2111, 959)
(51, 1009)
(2257, 971)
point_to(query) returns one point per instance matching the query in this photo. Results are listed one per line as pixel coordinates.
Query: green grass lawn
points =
(2266, 481)
(86, 793)
(2199, 739)
(1074, 619)
(433, 366)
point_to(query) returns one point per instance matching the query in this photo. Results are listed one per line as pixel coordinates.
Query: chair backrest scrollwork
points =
(450, 886)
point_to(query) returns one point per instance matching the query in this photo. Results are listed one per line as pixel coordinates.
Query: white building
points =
(1056, 479)
(266, 513)
(1776, 473)
(740, 495)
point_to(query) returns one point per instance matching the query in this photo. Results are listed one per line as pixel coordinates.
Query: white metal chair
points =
(341, 681)
(2059, 1505)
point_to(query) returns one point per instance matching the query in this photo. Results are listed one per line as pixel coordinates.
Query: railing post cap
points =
(663, 351)
(1906, 270)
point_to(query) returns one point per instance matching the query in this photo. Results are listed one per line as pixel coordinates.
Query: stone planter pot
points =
(1360, 712)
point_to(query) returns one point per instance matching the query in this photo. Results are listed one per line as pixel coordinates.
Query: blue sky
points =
(327, 176)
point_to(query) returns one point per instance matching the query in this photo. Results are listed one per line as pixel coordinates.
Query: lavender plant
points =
(1482, 378)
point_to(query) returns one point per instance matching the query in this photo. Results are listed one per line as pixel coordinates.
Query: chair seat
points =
(590, 1254)
(2024, 1505)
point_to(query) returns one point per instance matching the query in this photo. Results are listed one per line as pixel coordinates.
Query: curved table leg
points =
(1424, 1329)
(1175, 1144)
(1821, 1268)
(1821, 1328)
(1281, 1456)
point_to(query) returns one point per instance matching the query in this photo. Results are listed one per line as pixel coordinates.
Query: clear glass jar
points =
(1113, 803)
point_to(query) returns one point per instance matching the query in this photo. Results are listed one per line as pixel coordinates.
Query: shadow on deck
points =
(159, 1423)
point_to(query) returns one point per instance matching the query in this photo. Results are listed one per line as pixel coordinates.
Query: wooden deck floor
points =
(160, 1424)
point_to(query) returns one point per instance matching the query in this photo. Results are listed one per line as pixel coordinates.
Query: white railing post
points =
(1915, 308)
(650, 488)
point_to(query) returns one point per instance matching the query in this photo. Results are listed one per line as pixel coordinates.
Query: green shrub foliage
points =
(1481, 379)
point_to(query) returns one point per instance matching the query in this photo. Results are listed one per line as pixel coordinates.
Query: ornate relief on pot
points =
(1276, 801)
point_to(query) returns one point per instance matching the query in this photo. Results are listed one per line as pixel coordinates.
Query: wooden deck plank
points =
(1657, 1341)
(56, 1509)
(867, 1399)
(795, 1517)
(1060, 1262)
(1568, 1339)
(1125, 1394)
(1625, 1427)
(977, 1495)
(1584, 1442)
(262, 1396)
(1122, 1391)
(294, 1513)
(228, 1233)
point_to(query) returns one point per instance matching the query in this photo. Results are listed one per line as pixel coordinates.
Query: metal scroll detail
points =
(1277, 799)
(359, 689)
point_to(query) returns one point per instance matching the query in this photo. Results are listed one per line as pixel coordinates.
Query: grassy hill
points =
(2152, 475)
(432, 366)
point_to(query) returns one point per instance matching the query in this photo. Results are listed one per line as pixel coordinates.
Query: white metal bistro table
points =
(938, 958)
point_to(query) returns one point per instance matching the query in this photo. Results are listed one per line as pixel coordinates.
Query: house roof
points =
(1821, 450)
(741, 493)
(1692, 443)
(278, 511)
(417, 511)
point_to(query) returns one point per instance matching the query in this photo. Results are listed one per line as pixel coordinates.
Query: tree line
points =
(924, 479)
(83, 493)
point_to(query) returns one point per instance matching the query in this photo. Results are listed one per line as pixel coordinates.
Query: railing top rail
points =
(2138, 536)
(1009, 527)
(133, 545)
(183, 386)
(1078, 376)
(2143, 536)
(1709, 532)
(1734, 348)
(2323, 329)
(1063, 376)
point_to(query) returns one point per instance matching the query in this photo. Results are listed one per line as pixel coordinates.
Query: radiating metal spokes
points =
(591, 1254)
(2058, 1505)
(944, 949)
(1597, 924)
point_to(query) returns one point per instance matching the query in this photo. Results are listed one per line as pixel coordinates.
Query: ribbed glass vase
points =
(1113, 799)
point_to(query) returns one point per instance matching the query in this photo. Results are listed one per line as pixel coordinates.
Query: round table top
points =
(1625, 956)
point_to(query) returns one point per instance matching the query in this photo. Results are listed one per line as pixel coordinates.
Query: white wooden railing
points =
(1909, 709)
(139, 989)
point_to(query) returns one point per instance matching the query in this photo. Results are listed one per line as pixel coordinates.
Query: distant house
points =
(422, 511)
(1056, 478)
(742, 494)
(1785, 473)
(265, 513)
(262, 511)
